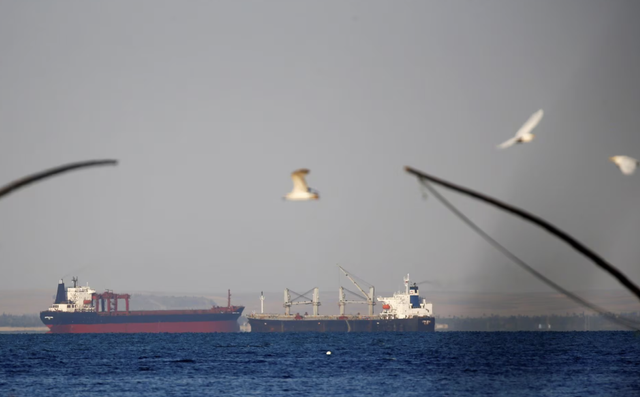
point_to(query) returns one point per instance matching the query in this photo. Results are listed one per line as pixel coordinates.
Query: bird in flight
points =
(524, 133)
(300, 190)
(626, 164)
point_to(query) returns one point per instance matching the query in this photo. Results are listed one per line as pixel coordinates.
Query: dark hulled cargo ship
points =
(82, 310)
(403, 312)
(339, 324)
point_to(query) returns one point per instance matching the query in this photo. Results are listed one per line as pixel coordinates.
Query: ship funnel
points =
(61, 295)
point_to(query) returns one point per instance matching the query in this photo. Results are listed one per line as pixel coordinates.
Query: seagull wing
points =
(27, 180)
(508, 143)
(627, 164)
(530, 124)
(299, 184)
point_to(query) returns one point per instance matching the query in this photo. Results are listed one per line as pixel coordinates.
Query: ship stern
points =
(47, 318)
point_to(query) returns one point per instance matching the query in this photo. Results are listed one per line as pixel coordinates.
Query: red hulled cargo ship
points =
(82, 310)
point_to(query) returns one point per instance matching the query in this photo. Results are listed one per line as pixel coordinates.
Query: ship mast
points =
(406, 284)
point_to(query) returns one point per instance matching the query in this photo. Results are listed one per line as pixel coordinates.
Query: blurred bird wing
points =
(530, 124)
(627, 164)
(508, 143)
(299, 183)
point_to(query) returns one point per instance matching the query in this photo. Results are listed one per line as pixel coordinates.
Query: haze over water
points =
(209, 106)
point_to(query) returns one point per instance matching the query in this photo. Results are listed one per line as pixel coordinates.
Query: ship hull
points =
(141, 322)
(417, 324)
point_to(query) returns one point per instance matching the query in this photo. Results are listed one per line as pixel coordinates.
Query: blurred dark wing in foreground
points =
(20, 183)
(612, 317)
(584, 250)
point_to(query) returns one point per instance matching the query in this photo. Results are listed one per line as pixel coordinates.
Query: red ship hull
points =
(203, 327)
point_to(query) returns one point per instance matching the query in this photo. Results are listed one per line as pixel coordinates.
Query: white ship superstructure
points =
(76, 299)
(405, 304)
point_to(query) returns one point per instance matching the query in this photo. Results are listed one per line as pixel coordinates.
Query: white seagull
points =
(524, 133)
(300, 190)
(626, 164)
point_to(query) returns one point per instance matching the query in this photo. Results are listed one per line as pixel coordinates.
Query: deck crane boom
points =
(368, 296)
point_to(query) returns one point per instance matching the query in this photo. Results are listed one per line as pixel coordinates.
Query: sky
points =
(210, 105)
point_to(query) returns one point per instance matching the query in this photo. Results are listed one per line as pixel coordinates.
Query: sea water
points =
(296, 364)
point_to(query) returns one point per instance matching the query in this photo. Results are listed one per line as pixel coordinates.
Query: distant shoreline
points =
(23, 329)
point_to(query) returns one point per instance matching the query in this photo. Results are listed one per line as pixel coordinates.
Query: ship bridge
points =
(405, 304)
(73, 299)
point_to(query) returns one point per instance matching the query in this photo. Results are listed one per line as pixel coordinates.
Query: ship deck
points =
(284, 317)
(220, 310)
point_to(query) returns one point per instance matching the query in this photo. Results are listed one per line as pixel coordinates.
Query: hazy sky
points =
(210, 105)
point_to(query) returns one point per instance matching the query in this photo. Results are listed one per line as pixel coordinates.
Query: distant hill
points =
(446, 303)
(8, 320)
(570, 322)
(163, 302)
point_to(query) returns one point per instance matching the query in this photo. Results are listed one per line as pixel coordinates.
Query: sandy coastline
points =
(24, 329)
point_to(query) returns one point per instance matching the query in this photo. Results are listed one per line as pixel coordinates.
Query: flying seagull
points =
(524, 133)
(29, 179)
(626, 164)
(300, 190)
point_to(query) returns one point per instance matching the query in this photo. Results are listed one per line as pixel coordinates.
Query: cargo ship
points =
(403, 312)
(81, 310)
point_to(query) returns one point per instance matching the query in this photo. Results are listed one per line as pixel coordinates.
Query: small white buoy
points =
(328, 353)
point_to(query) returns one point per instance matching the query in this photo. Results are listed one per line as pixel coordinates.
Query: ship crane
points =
(368, 297)
(111, 299)
(342, 301)
(288, 302)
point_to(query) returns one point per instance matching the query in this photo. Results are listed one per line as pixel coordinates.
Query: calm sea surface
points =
(244, 364)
